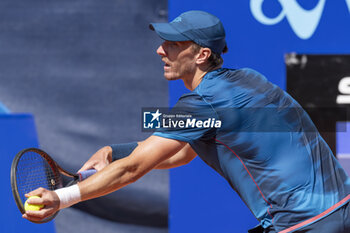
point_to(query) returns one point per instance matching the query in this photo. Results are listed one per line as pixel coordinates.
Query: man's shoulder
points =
(233, 74)
(199, 98)
(223, 82)
(193, 96)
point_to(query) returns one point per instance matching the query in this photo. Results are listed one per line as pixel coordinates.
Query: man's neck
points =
(195, 80)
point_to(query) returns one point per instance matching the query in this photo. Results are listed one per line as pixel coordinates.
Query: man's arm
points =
(103, 157)
(184, 156)
(122, 172)
(116, 175)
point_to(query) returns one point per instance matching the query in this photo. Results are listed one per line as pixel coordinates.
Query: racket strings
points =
(33, 172)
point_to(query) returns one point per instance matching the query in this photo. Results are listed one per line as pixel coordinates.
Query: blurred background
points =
(84, 69)
(75, 75)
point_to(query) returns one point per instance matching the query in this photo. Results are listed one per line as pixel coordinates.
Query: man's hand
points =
(99, 160)
(47, 198)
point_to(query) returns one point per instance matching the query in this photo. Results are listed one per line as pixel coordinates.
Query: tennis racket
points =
(33, 168)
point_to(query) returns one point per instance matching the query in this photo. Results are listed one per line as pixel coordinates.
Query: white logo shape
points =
(344, 89)
(156, 115)
(303, 22)
(151, 120)
(348, 2)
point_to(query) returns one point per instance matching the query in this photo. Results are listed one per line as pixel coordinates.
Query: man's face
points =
(179, 59)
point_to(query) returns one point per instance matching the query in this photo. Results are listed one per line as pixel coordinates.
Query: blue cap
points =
(200, 27)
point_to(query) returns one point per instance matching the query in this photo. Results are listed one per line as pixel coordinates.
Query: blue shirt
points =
(266, 147)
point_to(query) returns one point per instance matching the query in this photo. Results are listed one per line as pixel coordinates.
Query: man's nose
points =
(161, 51)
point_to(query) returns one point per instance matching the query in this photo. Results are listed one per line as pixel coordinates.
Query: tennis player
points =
(263, 143)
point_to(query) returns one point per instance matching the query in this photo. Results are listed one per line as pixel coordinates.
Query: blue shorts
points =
(336, 222)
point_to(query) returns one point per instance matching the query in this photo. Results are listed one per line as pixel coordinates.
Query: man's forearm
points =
(107, 180)
(113, 177)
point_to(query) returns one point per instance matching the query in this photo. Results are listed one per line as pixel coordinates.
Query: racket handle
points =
(85, 174)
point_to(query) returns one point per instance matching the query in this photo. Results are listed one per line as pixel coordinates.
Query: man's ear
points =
(203, 55)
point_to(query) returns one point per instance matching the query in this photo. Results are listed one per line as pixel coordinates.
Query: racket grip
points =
(85, 174)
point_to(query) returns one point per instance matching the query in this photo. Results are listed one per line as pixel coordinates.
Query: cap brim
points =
(167, 32)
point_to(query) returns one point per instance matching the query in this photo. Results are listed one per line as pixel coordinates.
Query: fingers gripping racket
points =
(33, 168)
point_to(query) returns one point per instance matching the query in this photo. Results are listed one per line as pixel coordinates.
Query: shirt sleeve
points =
(191, 119)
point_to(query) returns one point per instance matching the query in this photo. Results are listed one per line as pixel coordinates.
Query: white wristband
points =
(68, 196)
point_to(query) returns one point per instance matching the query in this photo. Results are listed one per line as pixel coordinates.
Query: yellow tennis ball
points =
(32, 207)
